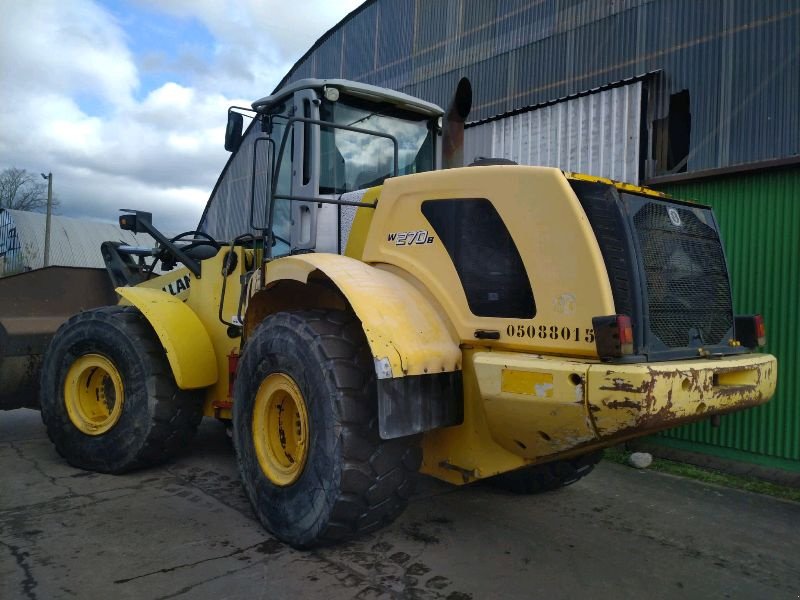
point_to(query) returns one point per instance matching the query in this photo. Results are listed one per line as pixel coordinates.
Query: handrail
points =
(273, 188)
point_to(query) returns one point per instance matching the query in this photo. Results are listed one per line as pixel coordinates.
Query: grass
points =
(750, 484)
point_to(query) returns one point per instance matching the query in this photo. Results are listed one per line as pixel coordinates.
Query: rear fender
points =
(416, 355)
(189, 350)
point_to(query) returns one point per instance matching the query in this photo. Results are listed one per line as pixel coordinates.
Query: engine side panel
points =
(552, 235)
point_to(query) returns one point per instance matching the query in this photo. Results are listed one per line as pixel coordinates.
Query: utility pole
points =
(49, 178)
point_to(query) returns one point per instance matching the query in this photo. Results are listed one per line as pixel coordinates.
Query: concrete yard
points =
(186, 530)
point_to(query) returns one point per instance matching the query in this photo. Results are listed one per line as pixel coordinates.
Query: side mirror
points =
(136, 221)
(233, 132)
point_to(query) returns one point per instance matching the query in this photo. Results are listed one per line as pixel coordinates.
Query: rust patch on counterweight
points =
(620, 385)
(627, 403)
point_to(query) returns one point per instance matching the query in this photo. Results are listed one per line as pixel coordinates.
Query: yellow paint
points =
(620, 185)
(204, 300)
(467, 452)
(592, 405)
(163, 281)
(400, 324)
(530, 383)
(638, 398)
(207, 337)
(93, 394)
(280, 428)
(485, 444)
(361, 225)
(555, 240)
(507, 428)
(548, 417)
(181, 332)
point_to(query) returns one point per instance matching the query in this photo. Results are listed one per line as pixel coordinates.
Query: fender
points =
(406, 334)
(417, 358)
(189, 350)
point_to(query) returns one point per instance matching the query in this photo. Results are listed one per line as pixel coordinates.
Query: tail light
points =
(613, 336)
(750, 330)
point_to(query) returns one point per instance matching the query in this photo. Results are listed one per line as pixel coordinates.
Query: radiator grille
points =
(689, 296)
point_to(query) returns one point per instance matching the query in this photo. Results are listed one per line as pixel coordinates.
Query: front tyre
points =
(108, 397)
(306, 435)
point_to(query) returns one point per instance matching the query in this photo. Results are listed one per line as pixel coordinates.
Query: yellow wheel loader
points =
(360, 310)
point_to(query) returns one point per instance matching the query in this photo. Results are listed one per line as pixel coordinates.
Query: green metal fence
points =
(759, 216)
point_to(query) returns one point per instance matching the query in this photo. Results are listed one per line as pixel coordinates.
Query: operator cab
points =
(297, 173)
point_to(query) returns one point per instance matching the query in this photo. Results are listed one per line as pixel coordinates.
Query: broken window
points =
(672, 136)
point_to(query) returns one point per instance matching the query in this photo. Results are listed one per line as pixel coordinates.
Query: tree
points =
(20, 190)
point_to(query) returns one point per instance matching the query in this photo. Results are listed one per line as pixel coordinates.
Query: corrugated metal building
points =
(699, 98)
(759, 215)
(725, 70)
(73, 242)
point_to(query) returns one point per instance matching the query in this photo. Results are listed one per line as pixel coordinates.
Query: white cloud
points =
(262, 37)
(66, 48)
(69, 85)
(256, 41)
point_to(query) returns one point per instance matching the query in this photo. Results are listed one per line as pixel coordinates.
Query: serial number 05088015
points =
(551, 332)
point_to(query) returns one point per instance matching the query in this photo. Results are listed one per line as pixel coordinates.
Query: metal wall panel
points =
(759, 216)
(739, 60)
(597, 133)
(227, 213)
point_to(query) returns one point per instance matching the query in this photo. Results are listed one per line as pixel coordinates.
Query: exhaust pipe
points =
(453, 125)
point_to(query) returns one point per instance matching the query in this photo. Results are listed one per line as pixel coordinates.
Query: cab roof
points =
(353, 88)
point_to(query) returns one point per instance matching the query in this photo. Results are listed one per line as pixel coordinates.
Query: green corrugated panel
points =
(759, 216)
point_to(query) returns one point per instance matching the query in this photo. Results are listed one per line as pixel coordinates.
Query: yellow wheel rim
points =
(93, 394)
(280, 429)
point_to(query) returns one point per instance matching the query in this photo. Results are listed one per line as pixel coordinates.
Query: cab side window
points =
(282, 215)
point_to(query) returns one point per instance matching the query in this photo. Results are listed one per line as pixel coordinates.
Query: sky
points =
(125, 102)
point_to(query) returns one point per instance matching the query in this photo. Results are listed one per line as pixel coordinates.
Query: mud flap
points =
(417, 403)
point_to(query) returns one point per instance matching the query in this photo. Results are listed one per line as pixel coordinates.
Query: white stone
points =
(640, 460)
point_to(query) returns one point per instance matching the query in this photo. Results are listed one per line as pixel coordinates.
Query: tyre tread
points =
(381, 503)
(377, 475)
(173, 414)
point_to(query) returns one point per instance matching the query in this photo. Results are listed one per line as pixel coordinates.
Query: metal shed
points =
(73, 242)
(726, 74)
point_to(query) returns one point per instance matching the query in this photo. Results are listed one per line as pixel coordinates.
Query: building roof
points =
(73, 242)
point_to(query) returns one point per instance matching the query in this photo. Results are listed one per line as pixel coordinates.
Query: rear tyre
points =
(549, 476)
(306, 435)
(108, 397)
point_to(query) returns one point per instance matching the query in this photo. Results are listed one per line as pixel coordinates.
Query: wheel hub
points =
(280, 429)
(93, 394)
